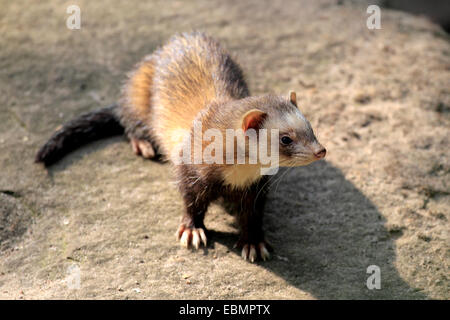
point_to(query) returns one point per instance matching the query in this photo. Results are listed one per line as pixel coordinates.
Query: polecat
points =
(192, 84)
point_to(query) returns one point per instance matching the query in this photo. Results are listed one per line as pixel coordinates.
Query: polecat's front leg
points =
(250, 209)
(250, 221)
(192, 229)
(196, 198)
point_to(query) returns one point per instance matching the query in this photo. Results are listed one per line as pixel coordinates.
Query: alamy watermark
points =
(73, 278)
(374, 20)
(73, 22)
(374, 281)
(249, 147)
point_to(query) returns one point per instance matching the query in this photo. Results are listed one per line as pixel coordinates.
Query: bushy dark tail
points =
(87, 127)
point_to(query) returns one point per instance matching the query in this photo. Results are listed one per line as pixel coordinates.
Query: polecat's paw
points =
(191, 236)
(251, 251)
(143, 147)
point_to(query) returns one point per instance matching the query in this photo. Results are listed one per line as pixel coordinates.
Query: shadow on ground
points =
(323, 229)
(325, 233)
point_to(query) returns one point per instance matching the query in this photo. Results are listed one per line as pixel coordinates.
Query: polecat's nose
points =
(321, 153)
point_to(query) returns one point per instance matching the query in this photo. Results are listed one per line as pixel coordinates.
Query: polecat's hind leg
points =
(143, 148)
(135, 108)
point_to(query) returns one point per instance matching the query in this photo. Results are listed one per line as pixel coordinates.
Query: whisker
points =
(282, 175)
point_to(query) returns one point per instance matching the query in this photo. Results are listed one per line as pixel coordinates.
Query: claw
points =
(265, 255)
(142, 147)
(190, 236)
(135, 147)
(252, 254)
(179, 232)
(195, 238)
(147, 150)
(184, 241)
(244, 252)
(202, 236)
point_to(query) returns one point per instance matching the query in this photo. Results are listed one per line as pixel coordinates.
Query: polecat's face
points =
(298, 145)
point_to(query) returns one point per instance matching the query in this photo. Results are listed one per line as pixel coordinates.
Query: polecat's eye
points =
(286, 140)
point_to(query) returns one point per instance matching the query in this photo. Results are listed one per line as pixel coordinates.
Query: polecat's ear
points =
(253, 119)
(293, 98)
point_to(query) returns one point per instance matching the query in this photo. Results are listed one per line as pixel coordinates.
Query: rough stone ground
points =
(379, 101)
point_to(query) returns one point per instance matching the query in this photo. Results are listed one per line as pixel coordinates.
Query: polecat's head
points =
(298, 145)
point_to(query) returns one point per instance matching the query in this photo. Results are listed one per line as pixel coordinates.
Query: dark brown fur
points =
(87, 127)
(247, 204)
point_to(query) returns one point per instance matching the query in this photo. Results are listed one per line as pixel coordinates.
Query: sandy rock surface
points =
(379, 101)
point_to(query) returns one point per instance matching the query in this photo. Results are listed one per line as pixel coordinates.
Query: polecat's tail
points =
(87, 127)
